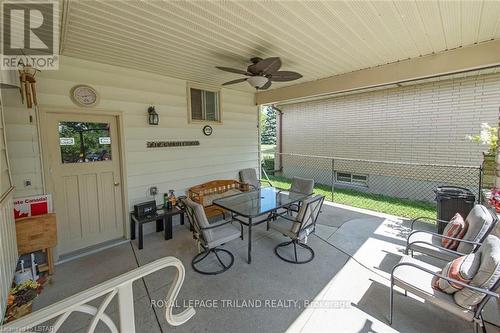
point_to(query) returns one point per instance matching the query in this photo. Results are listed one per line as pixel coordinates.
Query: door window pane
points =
(84, 142)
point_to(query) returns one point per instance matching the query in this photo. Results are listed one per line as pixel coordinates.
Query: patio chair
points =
(480, 224)
(249, 177)
(210, 236)
(303, 186)
(417, 277)
(298, 228)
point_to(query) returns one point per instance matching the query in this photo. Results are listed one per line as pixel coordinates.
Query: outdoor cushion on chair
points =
(249, 176)
(479, 222)
(487, 274)
(428, 243)
(213, 236)
(302, 185)
(419, 283)
(462, 269)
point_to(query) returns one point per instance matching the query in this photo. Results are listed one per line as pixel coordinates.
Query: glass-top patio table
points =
(254, 204)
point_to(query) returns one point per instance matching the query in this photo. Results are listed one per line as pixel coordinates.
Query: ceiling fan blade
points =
(266, 66)
(232, 70)
(283, 76)
(234, 81)
(267, 85)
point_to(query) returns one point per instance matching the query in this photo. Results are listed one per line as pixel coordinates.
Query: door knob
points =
(117, 183)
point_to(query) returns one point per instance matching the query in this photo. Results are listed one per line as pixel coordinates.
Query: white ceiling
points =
(187, 39)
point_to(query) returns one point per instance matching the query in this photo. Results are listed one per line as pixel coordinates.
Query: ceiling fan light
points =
(257, 81)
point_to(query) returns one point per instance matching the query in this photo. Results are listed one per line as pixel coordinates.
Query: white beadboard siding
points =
(22, 140)
(8, 244)
(232, 146)
(425, 123)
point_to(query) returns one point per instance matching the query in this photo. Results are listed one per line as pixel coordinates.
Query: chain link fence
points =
(398, 188)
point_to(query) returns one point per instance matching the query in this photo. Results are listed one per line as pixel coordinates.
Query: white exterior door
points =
(84, 179)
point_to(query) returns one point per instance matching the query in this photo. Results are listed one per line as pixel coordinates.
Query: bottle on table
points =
(165, 200)
(172, 200)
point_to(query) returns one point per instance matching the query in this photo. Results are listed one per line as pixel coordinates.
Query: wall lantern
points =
(153, 118)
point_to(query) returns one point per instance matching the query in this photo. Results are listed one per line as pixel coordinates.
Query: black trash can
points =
(451, 200)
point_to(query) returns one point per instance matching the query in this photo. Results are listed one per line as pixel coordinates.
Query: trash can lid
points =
(453, 191)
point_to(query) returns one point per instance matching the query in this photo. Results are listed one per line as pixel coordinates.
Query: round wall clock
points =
(207, 130)
(83, 95)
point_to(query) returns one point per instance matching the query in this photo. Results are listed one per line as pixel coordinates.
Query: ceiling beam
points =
(478, 56)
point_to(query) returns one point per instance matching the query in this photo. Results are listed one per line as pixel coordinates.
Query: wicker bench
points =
(206, 193)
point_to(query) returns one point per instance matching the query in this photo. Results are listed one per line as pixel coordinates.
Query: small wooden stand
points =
(38, 233)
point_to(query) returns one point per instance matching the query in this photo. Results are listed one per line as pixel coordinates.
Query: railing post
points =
(126, 308)
(479, 193)
(333, 176)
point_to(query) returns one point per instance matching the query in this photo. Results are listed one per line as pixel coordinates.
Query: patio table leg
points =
(159, 225)
(141, 234)
(132, 228)
(168, 227)
(249, 240)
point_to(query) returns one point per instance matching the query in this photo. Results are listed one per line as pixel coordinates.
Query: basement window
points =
(204, 104)
(350, 178)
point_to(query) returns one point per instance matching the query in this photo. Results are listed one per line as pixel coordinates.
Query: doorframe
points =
(44, 110)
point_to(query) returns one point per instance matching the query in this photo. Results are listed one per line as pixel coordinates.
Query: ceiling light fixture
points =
(257, 81)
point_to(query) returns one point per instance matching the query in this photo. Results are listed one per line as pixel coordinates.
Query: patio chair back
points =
(198, 220)
(480, 222)
(249, 176)
(307, 216)
(302, 185)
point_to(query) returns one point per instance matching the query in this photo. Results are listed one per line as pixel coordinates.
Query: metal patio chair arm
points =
(408, 247)
(441, 236)
(465, 285)
(287, 217)
(216, 225)
(423, 218)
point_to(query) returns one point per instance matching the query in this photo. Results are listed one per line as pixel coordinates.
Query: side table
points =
(163, 219)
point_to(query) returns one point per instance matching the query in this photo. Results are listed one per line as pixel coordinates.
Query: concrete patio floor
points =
(346, 284)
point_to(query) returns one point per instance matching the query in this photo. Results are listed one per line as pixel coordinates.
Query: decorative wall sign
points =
(104, 140)
(163, 144)
(67, 141)
(32, 206)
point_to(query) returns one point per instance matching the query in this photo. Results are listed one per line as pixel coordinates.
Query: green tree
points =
(268, 132)
(262, 121)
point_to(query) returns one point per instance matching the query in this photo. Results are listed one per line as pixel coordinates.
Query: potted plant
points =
(489, 138)
(21, 299)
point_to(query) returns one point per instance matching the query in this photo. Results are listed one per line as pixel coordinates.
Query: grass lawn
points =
(376, 202)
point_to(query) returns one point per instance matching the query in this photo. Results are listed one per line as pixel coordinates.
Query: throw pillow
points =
(456, 229)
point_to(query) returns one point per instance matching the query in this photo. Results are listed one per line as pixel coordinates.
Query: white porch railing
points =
(120, 286)
(8, 247)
